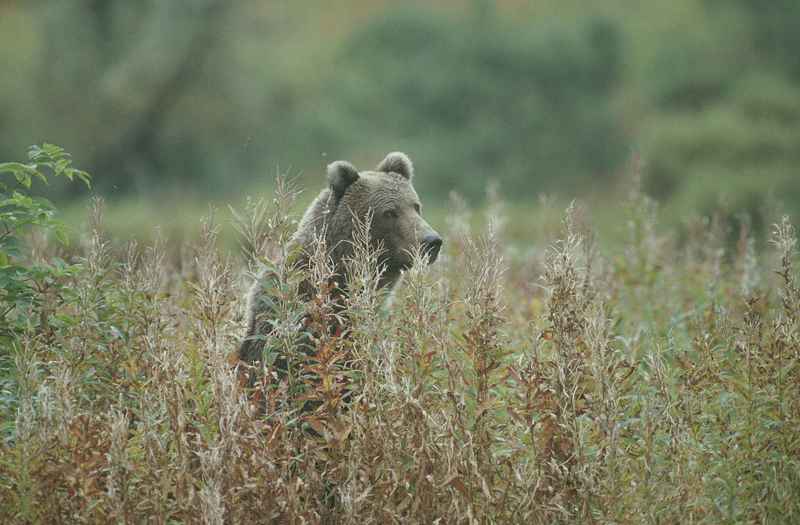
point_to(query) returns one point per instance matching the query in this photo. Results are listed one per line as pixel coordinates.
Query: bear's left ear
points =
(397, 162)
(341, 174)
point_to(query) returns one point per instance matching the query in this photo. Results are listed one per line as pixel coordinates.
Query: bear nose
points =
(430, 246)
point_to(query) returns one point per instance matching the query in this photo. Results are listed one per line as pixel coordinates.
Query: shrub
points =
(581, 383)
(31, 281)
(481, 97)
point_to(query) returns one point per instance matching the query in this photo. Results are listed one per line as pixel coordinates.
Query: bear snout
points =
(431, 244)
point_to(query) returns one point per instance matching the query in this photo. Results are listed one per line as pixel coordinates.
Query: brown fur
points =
(397, 226)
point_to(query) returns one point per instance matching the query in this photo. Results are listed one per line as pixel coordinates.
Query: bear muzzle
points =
(431, 244)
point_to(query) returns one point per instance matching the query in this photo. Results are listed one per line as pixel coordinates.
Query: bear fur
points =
(397, 230)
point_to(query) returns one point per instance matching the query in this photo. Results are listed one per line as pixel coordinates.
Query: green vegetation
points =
(635, 364)
(29, 280)
(23, 280)
(553, 97)
(452, 92)
(576, 381)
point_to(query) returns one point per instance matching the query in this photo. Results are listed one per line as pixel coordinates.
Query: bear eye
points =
(417, 207)
(390, 214)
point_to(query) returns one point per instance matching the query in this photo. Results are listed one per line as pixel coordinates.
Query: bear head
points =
(387, 193)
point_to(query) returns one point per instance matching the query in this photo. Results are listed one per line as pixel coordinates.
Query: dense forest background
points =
(186, 102)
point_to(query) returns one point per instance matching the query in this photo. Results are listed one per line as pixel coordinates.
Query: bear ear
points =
(341, 174)
(397, 162)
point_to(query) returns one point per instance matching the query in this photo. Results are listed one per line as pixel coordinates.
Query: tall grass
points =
(567, 383)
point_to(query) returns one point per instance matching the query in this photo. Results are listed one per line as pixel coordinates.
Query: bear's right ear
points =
(397, 162)
(341, 175)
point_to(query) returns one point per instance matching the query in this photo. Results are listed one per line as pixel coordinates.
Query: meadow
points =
(563, 379)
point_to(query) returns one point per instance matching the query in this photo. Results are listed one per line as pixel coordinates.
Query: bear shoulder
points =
(313, 220)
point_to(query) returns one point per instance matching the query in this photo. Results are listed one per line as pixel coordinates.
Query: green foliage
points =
(544, 99)
(583, 382)
(692, 72)
(527, 101)
(726, 125)
(29, 284)
(736, 152)
(773, 28)
(23, 280)
(474, 99)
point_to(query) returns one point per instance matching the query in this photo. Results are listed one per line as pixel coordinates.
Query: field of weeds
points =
(563, 381)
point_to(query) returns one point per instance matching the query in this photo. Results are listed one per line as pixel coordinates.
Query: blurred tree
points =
(482, 98)
(726, 121)
(774, 27)
(123, 73)
(548, 99)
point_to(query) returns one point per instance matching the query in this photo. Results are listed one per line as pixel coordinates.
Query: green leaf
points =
(61, 236)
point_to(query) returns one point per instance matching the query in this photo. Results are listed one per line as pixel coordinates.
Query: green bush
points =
(725, 122)
(29, 283)
(22, 280)
(529, 104)
(773, 28)
(651, 385)
(691, 72)
(741, 148)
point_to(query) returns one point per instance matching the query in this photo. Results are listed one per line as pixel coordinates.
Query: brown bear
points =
(396, 226)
